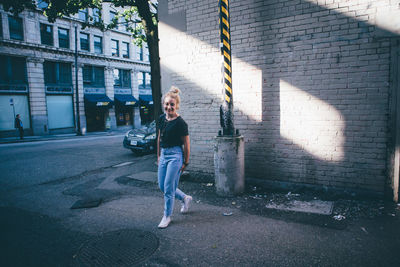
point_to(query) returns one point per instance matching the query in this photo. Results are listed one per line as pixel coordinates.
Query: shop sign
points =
(100, 104)
(130, 103)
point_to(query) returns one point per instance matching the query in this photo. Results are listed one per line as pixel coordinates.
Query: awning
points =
(126, 100)
(99, 100)
(146, 99)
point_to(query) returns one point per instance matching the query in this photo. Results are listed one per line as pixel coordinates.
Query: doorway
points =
(95, 119)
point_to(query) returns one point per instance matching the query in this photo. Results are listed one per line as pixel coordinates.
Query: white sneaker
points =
(186, 204)
(164, 222)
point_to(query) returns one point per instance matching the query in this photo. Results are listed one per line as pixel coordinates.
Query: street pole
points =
(78, 120)
(226, 109)
(229, 146)
(12, 104)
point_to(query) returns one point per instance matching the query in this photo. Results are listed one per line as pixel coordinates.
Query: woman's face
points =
(170, 106)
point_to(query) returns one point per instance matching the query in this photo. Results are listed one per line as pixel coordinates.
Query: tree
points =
(140, 15)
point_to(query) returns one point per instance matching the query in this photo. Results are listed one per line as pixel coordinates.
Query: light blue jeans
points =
(169, 172)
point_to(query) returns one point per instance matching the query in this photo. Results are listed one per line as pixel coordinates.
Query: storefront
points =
(59, 96)
(146, 108)
(124, 104)
(14, 98)
(60, 112)
(96, 110)
(10, 106)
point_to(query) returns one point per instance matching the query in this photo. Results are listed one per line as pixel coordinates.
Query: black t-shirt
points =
(172, 131)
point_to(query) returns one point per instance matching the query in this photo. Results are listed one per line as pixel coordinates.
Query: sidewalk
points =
(235, 231)
(33, 138)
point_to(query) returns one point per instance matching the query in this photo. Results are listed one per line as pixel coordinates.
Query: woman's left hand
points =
(183, 167)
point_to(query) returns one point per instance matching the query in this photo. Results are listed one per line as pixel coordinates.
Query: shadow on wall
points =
(311, 91)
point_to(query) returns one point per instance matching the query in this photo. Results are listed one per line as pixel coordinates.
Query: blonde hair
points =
(174, 94)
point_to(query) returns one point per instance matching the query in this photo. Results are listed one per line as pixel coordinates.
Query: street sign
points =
(11, 101)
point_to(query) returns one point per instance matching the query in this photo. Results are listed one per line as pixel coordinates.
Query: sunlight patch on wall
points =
(383, 14)
(247, 89)
(200, 63)
(311, 123)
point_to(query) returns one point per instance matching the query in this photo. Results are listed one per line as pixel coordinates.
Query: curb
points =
(29, 139)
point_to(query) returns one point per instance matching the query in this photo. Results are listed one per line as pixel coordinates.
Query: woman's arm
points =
(186, 151)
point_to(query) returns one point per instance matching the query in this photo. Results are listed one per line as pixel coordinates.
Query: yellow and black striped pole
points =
(226, 109)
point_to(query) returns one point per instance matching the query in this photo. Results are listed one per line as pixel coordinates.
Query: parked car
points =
(141, 140)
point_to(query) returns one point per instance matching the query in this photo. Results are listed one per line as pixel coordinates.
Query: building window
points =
(46, 34)
(12, 70)
(93, 76)
(139, 53)
(96, 15)
(113, 16)
(122, 78)
(83, 14)
(146, 55)
(1, 27)
(63, 38)
(141, 80)
(142, 53)
(144, 80)
(16, 28)
(98, 44)
(42, 4)
(84, 42)
(13, 74)
(124, 24)
(125, 49)
(147, 79)
(57, 73)
(57, 77)
(114, 48)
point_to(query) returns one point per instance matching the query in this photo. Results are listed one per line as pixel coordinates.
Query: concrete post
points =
(229, 165)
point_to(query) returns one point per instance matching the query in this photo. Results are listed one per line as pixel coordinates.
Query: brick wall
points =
(310, 82)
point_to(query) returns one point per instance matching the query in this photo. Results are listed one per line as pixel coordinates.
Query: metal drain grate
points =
(118, 248)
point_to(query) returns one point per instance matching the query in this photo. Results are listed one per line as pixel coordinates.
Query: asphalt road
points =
(26, 164)
(41, 181)
(34, 197)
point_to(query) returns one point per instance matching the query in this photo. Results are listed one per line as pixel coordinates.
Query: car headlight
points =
(151, 136)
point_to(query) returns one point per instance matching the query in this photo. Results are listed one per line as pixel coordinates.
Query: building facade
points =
(315, 87)
(40, 78)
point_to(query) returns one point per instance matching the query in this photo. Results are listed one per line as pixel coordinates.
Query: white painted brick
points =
(325, 54)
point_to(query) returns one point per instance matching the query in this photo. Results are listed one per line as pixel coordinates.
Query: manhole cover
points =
(118, 248)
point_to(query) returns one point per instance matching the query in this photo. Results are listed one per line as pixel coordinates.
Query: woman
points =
(172, 159)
